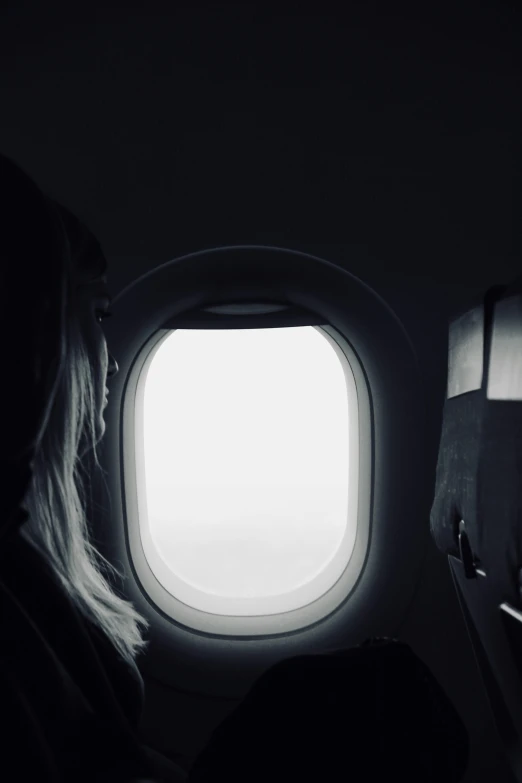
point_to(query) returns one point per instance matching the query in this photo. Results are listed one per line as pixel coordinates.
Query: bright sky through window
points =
(246, 458)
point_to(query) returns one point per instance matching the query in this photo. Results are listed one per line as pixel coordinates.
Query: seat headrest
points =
(376, 709)
(33, 282)
(479, 471)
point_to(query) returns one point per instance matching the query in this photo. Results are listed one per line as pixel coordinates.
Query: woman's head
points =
(58, 525)
(90, 301)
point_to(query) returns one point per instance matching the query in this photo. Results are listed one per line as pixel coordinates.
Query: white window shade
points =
(244, 448)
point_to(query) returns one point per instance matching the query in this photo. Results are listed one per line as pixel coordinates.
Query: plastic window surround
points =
(335, 583)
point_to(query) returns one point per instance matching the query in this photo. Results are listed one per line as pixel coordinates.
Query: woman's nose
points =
(113, 366)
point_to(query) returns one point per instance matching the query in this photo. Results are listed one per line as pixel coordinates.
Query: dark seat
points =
(366, 713)
(476, 516)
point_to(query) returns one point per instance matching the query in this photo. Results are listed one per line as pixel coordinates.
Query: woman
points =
(69, 686)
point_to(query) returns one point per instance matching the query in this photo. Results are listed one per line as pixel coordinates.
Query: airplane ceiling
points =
(388, 142)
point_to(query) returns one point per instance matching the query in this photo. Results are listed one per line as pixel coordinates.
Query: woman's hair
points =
(56, 500)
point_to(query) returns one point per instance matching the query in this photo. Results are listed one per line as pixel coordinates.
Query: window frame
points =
(360, 490)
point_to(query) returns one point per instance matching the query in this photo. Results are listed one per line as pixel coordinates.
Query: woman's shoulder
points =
(86, 652)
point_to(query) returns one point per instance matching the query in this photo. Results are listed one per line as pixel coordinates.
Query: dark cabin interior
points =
(381, 138)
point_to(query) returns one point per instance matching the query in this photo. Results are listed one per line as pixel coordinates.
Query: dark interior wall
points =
(391, 139)
(384, 141)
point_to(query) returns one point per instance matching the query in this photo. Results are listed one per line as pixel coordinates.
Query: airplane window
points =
(245, 444)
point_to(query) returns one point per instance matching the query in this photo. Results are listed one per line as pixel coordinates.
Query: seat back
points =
(476, 516)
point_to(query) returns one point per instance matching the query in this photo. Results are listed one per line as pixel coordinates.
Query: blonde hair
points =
(56, 500)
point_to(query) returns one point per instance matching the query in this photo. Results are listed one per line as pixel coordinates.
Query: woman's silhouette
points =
(70, 691)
